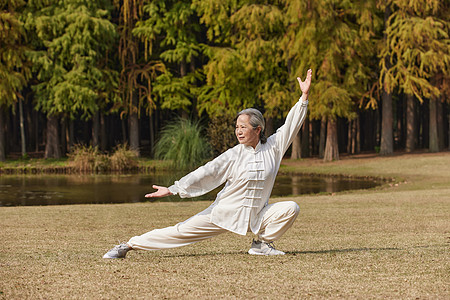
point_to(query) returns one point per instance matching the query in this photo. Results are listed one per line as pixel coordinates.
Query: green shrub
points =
(182, 143)
(221, 133)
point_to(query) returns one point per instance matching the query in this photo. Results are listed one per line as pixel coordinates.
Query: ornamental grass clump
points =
(183, 144)
(123, 159)
(87, 159)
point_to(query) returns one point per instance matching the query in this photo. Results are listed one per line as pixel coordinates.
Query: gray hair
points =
(256, 119)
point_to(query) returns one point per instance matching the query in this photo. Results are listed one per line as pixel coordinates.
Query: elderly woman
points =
(248, 171)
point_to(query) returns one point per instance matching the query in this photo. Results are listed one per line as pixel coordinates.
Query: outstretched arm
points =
(295, 118)
(161, 192)
(305, 85)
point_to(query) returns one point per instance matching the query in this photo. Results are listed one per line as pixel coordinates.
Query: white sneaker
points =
(263, 248)
(119, 251)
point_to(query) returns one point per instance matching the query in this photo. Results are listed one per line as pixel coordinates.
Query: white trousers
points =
(278, 218)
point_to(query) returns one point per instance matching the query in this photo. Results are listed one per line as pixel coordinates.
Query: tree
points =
(174, 24)
(334, 40)
(246, 67)
(387, 138)
(416, 51)
(14, 68)
(137, 73)
(72, 38)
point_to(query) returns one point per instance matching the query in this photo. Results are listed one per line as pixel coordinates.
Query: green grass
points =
(388, 243)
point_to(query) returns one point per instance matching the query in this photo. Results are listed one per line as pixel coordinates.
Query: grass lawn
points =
(391, 242)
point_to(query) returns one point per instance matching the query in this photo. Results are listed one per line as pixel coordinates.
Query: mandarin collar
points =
(251, 149)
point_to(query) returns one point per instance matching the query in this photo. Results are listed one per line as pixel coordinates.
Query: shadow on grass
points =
(329, 251)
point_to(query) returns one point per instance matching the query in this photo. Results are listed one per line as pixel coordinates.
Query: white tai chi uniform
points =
(242, 205)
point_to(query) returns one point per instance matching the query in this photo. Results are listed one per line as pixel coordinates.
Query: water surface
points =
(24, 190)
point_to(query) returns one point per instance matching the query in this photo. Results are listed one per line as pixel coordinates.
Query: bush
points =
(183, 144)
(123, 158)
(221, 133)
(87, 159)
(90, 159)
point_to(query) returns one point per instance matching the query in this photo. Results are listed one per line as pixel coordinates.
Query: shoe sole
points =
(111, 257)
(253, 252)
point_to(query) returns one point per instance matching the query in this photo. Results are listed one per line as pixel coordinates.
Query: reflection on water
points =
(95, 189)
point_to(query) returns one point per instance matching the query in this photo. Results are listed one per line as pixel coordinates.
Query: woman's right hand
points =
(161, 192)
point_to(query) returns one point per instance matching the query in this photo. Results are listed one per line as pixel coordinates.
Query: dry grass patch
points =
(387, 243)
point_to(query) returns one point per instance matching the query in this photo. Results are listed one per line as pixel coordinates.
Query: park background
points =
(112, 74)
(108, 73)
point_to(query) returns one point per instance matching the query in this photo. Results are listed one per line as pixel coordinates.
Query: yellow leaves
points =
(417, 47)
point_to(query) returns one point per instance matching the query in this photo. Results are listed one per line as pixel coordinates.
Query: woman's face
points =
(245, 133)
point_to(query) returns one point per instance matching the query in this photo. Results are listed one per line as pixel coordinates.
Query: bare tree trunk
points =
(349, 137)
(440, 124)
(305, 139)
(269, 127)
(124, 131)
(71, 134)
(2, 136)
(134, 127)
(322, 138)
(152, 132)
(296, 147)
(63, 135)
(22, 129)
(387, 140)
(332, 146)
(358, 135)
(434, 144)
(96, 129)
(52, 145)
(410, 124)
(36, 130)
(103, 138)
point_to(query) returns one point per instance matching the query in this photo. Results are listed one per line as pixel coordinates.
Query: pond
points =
(25, 190)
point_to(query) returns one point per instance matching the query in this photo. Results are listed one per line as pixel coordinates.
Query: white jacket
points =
(249, 175)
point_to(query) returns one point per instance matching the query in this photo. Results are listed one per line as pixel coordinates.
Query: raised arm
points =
(305, 85)
(295, 118)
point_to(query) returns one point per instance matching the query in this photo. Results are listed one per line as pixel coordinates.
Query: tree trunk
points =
(124, 131)
(349, 137)
(304, 152)
(296, 147)
(410, 124)
(323, 135)
(358, 135)
(387, 140)
(269, 127)
(103, 137)
(71, 134)
(434, 143)
(22, 129)
(152, 132)
(52, 145)
(2, 136)
(332, 146)
(96, 129)
(134, 126)
(440, 124)
(63, 138)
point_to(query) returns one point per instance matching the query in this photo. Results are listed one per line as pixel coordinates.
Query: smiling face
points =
(245, 132)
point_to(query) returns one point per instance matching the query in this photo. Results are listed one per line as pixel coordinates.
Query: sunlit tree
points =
(72, 38)
(14, 69)
(416, 55)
